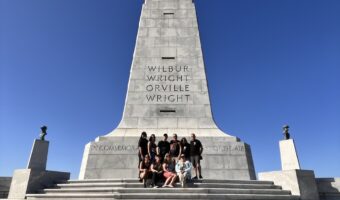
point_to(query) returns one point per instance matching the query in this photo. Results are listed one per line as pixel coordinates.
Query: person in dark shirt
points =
(163, 147)
(152, 148)
(175, 147)
(185, 148)
(142, 147)
(144, 169)
(157, 171)
(196, 150)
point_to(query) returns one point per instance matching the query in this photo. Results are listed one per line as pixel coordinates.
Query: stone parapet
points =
(116, 157)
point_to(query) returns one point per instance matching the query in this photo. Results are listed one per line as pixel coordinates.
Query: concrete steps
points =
(195, 185)
(132, 189)
(110, 190)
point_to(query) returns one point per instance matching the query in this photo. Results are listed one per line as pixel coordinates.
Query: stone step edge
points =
(153, 195)
(167, 190)
(140, 184)
(163, 189)
(199, 180)
(133, 186)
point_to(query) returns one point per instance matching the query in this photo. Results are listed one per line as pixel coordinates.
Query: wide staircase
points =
(132, 189)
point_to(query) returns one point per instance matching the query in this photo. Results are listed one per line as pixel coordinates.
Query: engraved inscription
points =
(167, 84)
(114, 148)
(224, 149)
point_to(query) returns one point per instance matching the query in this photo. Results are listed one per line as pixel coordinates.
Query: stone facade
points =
(329, 188)
(299, 182)
(5, 183)
(289, 156)
(167, 93)
(168, 89)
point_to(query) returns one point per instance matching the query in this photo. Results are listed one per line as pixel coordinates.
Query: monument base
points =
(27, 181)
(299, 182)
(5, 183)
(224, 157)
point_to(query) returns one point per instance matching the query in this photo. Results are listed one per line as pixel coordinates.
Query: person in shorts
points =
(196, 150)
(169, 171)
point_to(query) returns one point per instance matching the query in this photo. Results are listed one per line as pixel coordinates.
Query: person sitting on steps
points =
(157, 171)
(183, 169)
(169, 171)
(144, 169)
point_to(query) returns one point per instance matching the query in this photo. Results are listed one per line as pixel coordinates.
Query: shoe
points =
(171, 186)
(182, 184)
(195, 178)
(155, 186)
(201, 177)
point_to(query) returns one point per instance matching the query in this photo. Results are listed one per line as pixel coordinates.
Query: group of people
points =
(168, 161)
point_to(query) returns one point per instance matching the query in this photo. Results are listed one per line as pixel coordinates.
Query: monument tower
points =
(167, 93)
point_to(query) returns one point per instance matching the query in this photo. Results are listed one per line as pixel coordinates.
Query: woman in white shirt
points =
(183, 169)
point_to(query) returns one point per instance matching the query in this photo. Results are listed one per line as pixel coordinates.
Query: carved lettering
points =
(225, 149)
(114, 148)
(168, 98)
(167, 84)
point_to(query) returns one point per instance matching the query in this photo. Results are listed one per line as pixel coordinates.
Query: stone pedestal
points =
(116, 157)
(299, 182)
(289, 158)
(35, 177)
(27, 181)
(38, 157)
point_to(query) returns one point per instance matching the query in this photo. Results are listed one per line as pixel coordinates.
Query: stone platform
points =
(116, 157)
(132, 189)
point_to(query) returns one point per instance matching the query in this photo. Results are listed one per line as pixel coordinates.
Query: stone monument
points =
(292, 177)
(35, 177)
(289, 156)
(167, 93)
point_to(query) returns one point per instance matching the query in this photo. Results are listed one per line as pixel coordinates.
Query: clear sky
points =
(65, 64)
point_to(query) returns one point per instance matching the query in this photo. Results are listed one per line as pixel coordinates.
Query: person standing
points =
(142, 147)
(196, 150)
(183, 169)
(152, 148)
(163, 147)
(175, 147)
(185, 148)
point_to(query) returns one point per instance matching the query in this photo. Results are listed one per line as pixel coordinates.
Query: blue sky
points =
(66, 64)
